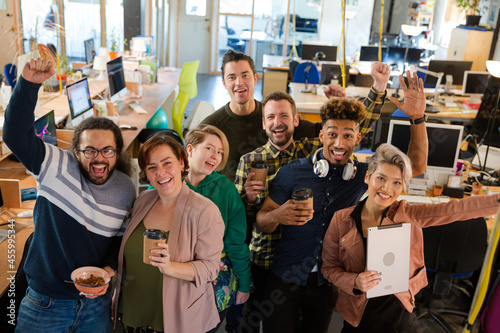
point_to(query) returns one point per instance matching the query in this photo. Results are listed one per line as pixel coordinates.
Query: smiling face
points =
(205, 157)
(99, 169)
(164, 171)
(339, 137)
(279, 123)
(239, 80)
(384, 185)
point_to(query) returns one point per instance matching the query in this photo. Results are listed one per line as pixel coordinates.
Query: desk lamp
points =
(410, 31)
(138, 47)
(100, 66)
(306, 76)
(493, 68)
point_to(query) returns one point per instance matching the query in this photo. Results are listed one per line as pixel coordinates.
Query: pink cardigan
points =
(344, 251)
(195, 237)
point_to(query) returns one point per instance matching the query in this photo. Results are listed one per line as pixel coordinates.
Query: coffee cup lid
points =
(258, 165)
(155, 234)
(302, 194)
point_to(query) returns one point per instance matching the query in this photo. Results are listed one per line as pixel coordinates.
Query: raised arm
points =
(413, 105)
(18, 130)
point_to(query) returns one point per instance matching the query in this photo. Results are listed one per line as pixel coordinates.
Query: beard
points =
(93, 180)
(282, 141)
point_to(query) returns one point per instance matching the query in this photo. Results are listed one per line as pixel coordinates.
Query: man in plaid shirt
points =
(279, 120)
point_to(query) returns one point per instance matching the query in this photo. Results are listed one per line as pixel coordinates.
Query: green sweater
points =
(223, 193)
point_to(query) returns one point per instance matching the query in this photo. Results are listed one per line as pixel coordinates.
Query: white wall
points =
(357, 29)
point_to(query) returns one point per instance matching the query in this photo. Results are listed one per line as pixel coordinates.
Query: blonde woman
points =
(207, 149)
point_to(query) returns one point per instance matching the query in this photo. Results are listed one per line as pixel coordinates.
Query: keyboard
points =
(420, 199)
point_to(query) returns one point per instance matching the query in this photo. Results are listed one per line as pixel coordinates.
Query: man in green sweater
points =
(241, 118)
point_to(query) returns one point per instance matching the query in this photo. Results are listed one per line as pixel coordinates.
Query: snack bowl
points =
(85, 273)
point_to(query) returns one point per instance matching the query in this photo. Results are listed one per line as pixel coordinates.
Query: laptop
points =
(388, 252)
(45, 128)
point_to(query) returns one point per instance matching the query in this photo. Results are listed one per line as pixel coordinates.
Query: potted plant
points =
(114, 45)
(472, 11)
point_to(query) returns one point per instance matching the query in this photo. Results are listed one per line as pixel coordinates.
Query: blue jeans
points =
(40, 313)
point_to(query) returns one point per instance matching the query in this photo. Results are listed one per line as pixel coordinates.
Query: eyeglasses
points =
(93, 153)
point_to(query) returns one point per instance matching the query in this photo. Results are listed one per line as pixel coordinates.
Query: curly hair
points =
(342, 108)
(123, 161)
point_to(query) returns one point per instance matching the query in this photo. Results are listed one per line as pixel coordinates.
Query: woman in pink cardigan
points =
(174, 292)
(344, 254)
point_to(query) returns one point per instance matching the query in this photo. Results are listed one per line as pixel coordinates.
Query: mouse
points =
(25, 214)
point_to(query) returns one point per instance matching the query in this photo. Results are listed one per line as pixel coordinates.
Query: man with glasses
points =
(83, 198)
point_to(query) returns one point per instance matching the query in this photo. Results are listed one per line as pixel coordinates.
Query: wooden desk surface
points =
(308, 104)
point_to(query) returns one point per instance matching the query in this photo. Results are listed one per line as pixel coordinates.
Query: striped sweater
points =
(77, 223)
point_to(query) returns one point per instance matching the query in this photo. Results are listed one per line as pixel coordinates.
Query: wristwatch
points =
(418, 120)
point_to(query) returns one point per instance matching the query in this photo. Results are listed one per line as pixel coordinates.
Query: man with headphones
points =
(337, 182)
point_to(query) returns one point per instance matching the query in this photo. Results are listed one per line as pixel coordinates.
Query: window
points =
(196, 7)
(82, 21)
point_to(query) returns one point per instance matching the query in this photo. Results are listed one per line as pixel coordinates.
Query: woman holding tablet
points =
(344, 254)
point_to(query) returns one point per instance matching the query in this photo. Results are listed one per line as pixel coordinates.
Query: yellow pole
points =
(58, 44)
(381, 32)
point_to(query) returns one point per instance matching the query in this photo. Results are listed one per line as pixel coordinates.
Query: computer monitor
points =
(444, 146)
(396, 56)
(89, 51)
(80, 105)
(474, 83)
(370, 53)
(116, 79)
(454, 68)
(414, 55)
(309, 50)
(333, 72)
(45, 128)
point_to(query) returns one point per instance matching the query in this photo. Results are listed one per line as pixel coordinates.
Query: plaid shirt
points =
(262, 244)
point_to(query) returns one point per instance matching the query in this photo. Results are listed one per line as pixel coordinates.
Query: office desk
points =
(153, 96)
(308, 104)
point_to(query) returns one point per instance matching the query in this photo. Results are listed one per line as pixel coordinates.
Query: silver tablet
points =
(388, 252)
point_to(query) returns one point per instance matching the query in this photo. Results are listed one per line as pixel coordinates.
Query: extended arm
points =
(414, 106)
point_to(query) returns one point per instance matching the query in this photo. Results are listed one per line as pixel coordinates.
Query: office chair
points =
(200, 111)
(293, 66)
(10, 71)
(313, 76)
(452, 253)
(188, 88)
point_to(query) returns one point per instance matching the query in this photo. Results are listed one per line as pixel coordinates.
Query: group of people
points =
(238, 248)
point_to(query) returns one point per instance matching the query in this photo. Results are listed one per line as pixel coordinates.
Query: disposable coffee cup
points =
(303, 196)
(260, 169)
(151, 238)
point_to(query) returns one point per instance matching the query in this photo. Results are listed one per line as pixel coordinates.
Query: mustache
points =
(279, 128)
(99, 163)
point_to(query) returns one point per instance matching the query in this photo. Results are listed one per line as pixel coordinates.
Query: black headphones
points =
(321, 167)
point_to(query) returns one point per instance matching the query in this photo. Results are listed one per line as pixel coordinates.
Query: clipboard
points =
(388, 251)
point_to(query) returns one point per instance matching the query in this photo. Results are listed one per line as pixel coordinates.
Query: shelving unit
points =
(420, 18)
